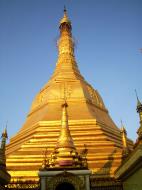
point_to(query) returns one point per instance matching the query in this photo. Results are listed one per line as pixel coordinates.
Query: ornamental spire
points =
(65, 154)
(139, 111)
(66, 66)
(65, 42)
(65, 140)
(4, 136)
(5, 177)
(124, 141)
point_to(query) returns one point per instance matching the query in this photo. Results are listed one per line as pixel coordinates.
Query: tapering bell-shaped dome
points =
(89, 120)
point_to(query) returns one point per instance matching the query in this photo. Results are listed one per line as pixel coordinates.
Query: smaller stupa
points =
(65, 168)
(126, 150)
(65, 154)
(4, 175)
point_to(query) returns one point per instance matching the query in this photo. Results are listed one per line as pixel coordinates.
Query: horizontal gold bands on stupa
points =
(10, 160)
(47, 128)
(76, 133)
(79, 127)
(104, 165)
(24, 164)
(25, 167)
(25, 156)
(40, 149)
(79, 145)
(70, 122)
(80, 132)
(39, 153)
(24, 173)
(76, 138)
(54, 126)
(101, 158)
(91, 164)
(40, 142)
(75, 128)
(92, 141)
(89, 144)
(93, 155)
(40, 146)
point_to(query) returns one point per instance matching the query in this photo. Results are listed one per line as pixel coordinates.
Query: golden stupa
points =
(88, 118)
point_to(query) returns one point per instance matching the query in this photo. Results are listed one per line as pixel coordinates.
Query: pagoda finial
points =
(126, 150)
(65, 10)
(65, 18)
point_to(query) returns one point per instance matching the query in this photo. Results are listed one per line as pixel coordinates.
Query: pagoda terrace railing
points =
(105, 184)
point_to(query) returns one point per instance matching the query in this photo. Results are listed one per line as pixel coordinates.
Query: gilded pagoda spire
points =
(66, 66)
(4, 175)
(65, 154)
(65, 42)
(65, 146)
(139, 111)
(4, 136)
(65, 140)
(126, 150)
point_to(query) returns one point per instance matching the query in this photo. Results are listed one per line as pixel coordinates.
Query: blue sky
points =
(108, 36)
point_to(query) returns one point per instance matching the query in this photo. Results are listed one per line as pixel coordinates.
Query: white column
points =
(87, 182)
(43, 183)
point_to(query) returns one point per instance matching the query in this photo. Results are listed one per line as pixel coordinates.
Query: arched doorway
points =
(65, 186)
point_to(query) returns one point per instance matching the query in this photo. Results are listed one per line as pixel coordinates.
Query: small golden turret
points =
(126, 149)
(4, 136)
(139, 111)
(2, 149)
(65, 139)
(124, 135)
(4, 175)
(65, 149)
